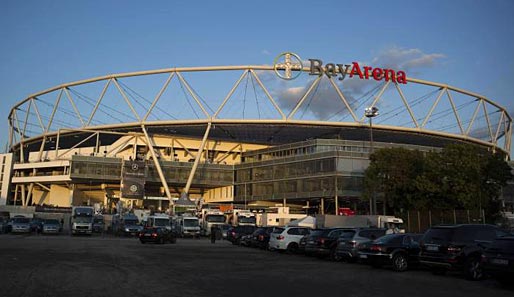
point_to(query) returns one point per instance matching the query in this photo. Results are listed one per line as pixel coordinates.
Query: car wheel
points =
(292, 248)
(173, 240)
(473, 269)
(334, 256)
(143, 242)
(400, 262)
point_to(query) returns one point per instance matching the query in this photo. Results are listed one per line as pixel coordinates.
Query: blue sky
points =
(468, 44)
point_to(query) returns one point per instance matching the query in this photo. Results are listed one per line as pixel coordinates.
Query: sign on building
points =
(133, 178)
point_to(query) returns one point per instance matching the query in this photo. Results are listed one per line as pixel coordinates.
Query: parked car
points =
(287, 238)
(457, 247)
(234, 234)
(351, 238)
(498, 259)
(36, 225)
(399, 250)
(3, 225)
(224, 230)
(260, 237)
(246, 240)
(157, 235)
(51, 226)
(302, 243)
(98, 224)
(20, 225)
(126, 225)
(323, 242)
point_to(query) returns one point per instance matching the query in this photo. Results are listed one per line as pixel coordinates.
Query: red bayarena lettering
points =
(401, 78)
(332, 69)
(356, 69)
(389, 75)
(367, 69)
(377, 74)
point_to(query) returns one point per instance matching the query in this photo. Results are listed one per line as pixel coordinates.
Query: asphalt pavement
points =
(110, 266)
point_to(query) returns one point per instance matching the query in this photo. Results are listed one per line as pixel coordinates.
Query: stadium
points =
(283, 134)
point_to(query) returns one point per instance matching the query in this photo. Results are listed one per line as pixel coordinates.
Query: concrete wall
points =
(5, 176)
(60, 195)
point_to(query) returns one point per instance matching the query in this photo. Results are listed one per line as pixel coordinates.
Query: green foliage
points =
(461, 176)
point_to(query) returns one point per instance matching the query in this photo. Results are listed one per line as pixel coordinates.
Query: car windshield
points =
(347, 234)
(215, 218)
(278, 230)
(438, 235)
(51, 222)
(247, 220)
(191, 223)
(162, 222)
(21, 220)
(130, 222)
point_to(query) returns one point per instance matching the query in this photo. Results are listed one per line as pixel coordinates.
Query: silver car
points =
(350, 239)
(51, 226)
(20, 225)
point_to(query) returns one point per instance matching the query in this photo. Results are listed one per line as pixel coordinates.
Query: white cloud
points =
(265, 52)
(405, 59)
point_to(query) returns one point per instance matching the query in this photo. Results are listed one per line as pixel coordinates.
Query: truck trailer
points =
(389, 222)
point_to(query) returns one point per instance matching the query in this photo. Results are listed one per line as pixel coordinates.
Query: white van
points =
(157, 220)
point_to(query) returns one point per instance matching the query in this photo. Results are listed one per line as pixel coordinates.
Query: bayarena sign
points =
(292, 62)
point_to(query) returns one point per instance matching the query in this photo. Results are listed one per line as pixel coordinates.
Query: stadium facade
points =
(289, 133)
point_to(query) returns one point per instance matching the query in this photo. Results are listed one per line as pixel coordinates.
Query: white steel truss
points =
(26, 116)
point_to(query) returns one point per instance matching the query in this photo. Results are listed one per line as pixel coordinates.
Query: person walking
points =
(214, 231)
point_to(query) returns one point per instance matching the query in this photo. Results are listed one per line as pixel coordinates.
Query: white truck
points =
(241, 217)
(81, 220)
(389, 222)
(210, 218)
(157, 220)
(187, 226)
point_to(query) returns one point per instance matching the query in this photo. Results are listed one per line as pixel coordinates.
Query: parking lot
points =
(32, 265)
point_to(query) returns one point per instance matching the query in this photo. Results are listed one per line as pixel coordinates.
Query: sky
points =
(467, 44)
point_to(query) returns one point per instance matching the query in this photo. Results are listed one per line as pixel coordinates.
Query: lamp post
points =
(370, 113)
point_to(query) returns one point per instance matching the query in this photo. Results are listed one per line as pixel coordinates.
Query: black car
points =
(246, 240)
(98, 224)
(457, 247)
(399, 250)
(302, 243)
(498, 259)
(234, 234)
(323, 242)
(260, 237)
(3, 225)
(157, 235)
(36, 225)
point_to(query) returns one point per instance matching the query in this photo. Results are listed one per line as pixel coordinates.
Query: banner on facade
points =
(133, 178)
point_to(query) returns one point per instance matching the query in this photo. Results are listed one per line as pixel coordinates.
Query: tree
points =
(390, 173)
(461, 176)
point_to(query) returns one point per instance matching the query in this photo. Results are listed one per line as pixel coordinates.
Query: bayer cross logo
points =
(285, 63)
